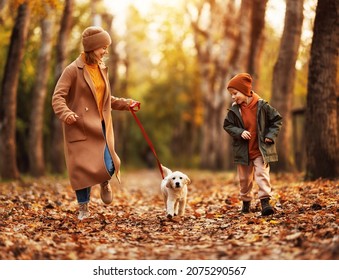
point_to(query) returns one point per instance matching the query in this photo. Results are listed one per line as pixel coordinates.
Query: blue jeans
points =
(83, 195)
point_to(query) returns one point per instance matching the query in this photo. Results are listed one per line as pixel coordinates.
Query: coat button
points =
(86, 109)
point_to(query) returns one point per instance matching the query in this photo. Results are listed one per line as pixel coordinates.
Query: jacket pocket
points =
(268, 149)
(238, 151)
(76, 131)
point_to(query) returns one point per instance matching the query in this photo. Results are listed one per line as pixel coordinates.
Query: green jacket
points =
(269, 122)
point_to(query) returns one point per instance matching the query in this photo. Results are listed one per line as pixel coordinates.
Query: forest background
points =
(175, 57)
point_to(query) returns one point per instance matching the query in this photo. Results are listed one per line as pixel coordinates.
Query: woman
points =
(82, 101)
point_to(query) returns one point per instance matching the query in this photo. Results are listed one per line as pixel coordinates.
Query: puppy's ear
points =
(188, 180)
(166, 170)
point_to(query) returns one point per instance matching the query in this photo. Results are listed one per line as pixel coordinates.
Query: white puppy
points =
(174, 190)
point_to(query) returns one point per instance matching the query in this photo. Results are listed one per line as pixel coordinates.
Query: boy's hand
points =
(246, 135)
(268, 141)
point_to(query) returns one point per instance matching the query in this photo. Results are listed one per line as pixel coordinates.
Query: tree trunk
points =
(9, 169)
(113, 56)
(321, 125)
(214, 59)
(257, 39)
(283, 81)
(240, 59)
(36, 147)
(2, 5)
(57, 150)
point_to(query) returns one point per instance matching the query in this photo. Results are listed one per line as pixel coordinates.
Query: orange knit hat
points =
(94, 37)
(241, 82)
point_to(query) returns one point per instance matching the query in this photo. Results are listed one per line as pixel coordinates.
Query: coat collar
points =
(81, 64)
(235, 108)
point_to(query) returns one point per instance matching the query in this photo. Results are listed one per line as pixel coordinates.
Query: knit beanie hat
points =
(241, 82)
(94, 37)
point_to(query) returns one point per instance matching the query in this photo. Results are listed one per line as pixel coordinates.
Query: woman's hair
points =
(91, 58)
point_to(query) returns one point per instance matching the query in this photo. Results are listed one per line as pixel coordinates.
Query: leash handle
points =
(149, 142)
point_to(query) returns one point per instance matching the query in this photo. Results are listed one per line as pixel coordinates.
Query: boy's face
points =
(237, 96)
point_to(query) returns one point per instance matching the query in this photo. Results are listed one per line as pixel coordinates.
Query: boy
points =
(254, 126)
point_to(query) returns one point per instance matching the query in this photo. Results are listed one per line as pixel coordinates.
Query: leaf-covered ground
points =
(39, 221)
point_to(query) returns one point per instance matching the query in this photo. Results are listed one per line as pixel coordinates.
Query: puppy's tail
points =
(166, 170)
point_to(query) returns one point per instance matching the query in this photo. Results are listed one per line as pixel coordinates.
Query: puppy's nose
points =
(177, 184)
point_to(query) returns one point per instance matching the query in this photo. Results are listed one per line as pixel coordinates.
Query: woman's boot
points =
(83, 211)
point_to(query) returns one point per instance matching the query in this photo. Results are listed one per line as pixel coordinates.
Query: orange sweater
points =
(99, 84)
(249, 117)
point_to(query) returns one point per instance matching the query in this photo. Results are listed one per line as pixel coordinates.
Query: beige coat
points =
(84, 142)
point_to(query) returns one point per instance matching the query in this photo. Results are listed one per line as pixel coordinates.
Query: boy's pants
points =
(258, 171)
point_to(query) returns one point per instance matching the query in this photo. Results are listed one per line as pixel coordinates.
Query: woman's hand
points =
(135, 106)
(71, 119)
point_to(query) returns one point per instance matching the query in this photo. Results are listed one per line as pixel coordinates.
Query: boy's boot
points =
(106, 192)
(245, 207)
(83, 211)
(266, 208)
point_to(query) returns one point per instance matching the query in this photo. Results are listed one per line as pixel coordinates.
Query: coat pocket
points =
(239, 151)
(268, 149)
(76, 131)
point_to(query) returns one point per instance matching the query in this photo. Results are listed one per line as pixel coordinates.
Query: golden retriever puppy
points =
(174, 190)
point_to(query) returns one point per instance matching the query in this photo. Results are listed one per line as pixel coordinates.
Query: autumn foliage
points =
(39, 221)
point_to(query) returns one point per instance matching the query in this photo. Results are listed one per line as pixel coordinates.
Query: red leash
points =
(137, 104)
